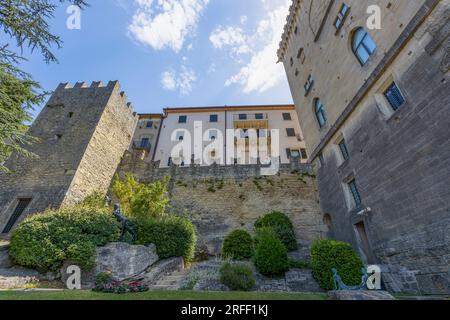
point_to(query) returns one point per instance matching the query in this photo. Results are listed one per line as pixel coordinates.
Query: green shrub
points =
(238, 277)
(328, 254)
(283, 227)
(238, 245)
(44, 241)
(271, 256)
(95, 200)
(173, 236)
(102, 278)
(298, 264)
(141, 201)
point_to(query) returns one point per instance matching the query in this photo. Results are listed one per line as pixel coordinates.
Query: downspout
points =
(157, 138)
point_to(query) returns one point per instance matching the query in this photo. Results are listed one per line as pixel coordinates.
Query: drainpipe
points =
(157, 138)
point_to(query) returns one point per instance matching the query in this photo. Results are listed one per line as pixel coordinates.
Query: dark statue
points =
(125, 224)
(340, 285)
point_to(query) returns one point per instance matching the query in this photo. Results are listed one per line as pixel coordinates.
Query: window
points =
(355, 192)
(70, 114)
(145, 143)
(294, 154)
(149, 124)
(20, 208)
(344, 150)
(308, 85)
(182, 119)
(213, 118)
(259, 116)
(320, 113)
(290, 132)
(169, 162)
(304, 153)
(242, 116)
(287, 116)
(394, 96)
(58, 136)
(363, 45)
(342, 15)
(292, 62)
(296, 30)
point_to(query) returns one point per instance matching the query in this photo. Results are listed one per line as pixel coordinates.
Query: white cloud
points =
(230, 37)
(260, 72)
(182, 81)
(165, 24)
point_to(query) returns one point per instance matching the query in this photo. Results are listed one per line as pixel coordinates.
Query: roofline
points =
(150, 115)
(229, 108)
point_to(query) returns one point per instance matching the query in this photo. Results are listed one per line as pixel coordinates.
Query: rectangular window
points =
(295, 154)
(290, 132)
(340, 19)
(287, 116)
(355, 192)
(288, 153)
(308, 85)
(344, 150)
(20, 208)
(394, 96)
(145, 142)
(213, 118)
(242, 116)
(169, 162)
(149, 124)
(304, 153)
(259, 116)
(182, 119)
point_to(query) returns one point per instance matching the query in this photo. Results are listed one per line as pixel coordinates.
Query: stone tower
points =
(83, 132)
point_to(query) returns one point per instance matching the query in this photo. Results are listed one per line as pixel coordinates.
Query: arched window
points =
(363, 45)
(319, 110)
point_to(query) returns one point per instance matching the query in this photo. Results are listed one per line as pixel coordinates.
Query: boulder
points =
(160, 269)
(4, 257)
(123, 260)
(359, 295)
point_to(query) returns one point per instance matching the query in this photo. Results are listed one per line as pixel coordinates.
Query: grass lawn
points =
(157, 295)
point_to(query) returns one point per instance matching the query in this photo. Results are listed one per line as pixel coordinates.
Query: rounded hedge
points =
(271, 256)
(44, 241)
(283, 227)
(173, 236)
(238, 277)
(238, 245)
(328, 254)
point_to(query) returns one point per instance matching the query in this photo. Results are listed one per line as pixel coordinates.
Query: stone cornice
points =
(289, 28)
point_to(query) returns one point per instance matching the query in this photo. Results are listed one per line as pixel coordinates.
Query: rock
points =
(4, 259)
(161, 269)
(301, 280)
(359, 295)
(210, 284)
(201, 252)
(123, 260)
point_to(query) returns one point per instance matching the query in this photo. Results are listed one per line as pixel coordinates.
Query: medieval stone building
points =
(374, 107)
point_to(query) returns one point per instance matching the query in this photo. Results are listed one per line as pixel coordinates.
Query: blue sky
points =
(173, 52)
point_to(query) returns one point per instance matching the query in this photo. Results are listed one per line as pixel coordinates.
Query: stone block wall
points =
(220, 199)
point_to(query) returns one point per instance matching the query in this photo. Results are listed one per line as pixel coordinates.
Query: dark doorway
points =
(20, 208)
(363, 241)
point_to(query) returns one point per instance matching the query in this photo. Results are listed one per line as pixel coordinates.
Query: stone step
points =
(163, 287)
(14, 278)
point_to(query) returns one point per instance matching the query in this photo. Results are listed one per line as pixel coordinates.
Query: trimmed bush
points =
(238, 277)
(173, 236)
(328, 254)
(271, 256)
(238, 245)
(44, 241)
(283, 227)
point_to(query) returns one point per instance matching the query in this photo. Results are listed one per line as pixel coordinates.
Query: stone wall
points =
(222, 198)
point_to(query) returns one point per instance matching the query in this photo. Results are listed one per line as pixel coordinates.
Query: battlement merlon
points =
(113, 87)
